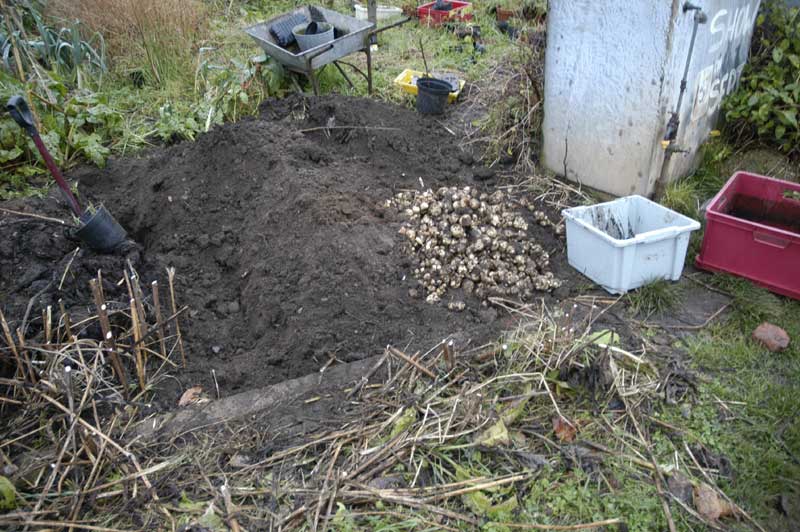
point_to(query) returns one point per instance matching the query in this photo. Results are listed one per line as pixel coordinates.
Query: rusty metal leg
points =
(312, 77)
(369, 70)
(314, 82)
(355, 68)
(344, 74)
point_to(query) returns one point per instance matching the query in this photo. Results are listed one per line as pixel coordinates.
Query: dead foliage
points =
(69, 395)
(158, 33)
(513, 93)
(452, 438)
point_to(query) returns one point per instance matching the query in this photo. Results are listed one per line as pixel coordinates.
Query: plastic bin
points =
(462, 11)
(307, 41)
(432, 96)
(382, 13)
(407, 80)
(753, 231)
(626, 243)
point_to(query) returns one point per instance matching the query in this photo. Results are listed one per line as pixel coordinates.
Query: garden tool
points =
(96, 227)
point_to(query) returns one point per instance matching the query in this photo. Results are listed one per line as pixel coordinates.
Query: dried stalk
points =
(137, 348)
(171, 276)
(404, 357)
(31, 215)
(159, 320)
(20, 371)
(108, 335)
(66, 270)
(25, 357)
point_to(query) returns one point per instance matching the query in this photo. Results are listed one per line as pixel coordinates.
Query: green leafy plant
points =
(767, 103)
(233, 88)
(26, 42)
(177, 122)
(681, 196)
(73, 125)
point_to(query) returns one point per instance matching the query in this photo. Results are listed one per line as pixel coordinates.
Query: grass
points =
(176, 68)
(746, 409)
(655, 298)
(158, 39)
(682, 196)
(746, 400)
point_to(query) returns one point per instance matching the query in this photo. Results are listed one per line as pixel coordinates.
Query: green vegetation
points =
(152, 82)
(746, 409)
(130, 74)
(654, 298)
(156, 71)
(61, 51)
(767, 103)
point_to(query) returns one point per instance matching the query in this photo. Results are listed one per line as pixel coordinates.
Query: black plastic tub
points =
(100, 231)
(432, 95)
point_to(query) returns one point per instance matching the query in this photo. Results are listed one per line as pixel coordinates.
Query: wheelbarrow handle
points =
(18, 109)
(319, 52)
(390, 26)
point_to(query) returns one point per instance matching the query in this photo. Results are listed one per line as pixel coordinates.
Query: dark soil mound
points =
(277, 227)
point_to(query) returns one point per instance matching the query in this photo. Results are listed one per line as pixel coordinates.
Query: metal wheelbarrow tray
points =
(354, 38)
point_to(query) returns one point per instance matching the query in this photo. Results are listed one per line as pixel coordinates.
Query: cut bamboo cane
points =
(20, 373)
(48, 326)
(138, 297)
(137, 348)
(171, 276)
(65, 317)
(159, 319)
(24, 354)
(449, 357)
(108, 336)
(100, 284)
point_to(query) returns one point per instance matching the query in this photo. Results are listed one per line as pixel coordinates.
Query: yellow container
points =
(407, 80)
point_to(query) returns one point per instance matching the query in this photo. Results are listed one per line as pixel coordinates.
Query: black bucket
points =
(432, 95)
(100, 231)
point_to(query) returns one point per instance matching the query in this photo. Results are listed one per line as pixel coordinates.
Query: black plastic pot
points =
(100, 231)
(432, 95)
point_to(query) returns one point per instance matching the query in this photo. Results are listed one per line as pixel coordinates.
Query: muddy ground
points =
(277, 228)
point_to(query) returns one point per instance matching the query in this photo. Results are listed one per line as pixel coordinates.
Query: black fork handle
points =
(21, 113)
(18, 109)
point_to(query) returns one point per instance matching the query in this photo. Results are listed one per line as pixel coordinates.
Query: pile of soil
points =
(276, 225)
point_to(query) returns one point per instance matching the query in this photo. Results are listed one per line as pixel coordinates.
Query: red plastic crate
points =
(462, 11)
(753, 231)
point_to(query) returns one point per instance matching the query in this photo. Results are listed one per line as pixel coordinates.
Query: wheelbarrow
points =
(352, 35)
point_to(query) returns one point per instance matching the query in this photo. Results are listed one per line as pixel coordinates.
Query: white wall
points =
(612, 77)
(720, 54)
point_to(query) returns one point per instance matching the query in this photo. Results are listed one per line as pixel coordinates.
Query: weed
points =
(61, 50)
(656, 297)
(709, 178)
(682, 196)
(751, 303)
(765, 105)
(513, 124)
